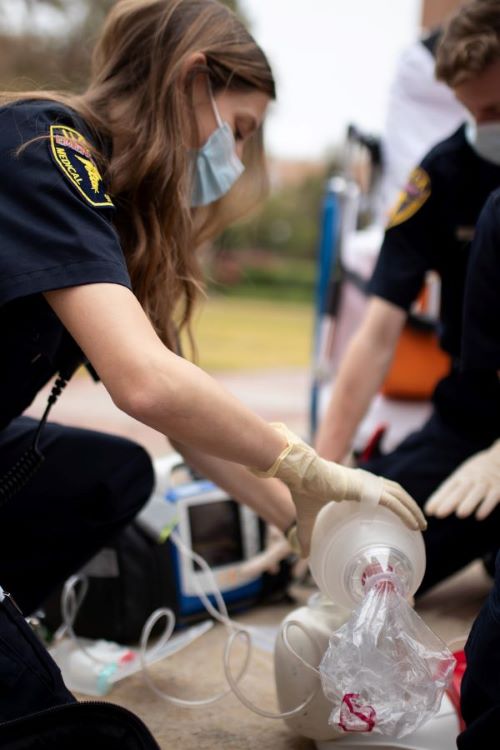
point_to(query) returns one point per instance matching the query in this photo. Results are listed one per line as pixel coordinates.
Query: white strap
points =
(215, 108)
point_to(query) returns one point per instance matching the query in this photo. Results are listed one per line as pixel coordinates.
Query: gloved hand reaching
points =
(474, 486)
(313, 482)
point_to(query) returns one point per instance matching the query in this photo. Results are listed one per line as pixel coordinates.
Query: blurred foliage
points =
(287, 223)
(273, 254)
(261, 277)
(36, 57)
(233, 4)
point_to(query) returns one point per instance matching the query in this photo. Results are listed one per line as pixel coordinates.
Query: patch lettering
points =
(412, 198)
(72, 155)
(465, 234)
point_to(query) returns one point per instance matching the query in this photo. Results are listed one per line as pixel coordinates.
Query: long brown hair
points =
(137, 70)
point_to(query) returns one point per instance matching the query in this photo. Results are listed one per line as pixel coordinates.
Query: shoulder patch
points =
(412, 198)
(72, 155)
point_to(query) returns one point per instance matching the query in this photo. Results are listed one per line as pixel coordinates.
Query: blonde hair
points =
(470, 43)
(137, 70)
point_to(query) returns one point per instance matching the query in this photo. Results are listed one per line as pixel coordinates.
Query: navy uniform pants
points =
(420, 464)
(30, 680)
(88, 488)
(481, 682)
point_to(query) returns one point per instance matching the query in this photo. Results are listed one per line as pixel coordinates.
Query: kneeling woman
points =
(104, 198)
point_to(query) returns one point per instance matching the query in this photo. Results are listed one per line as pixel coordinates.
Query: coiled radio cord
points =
(31, 460)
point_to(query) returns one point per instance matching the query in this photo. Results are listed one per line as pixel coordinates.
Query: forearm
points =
(357, 382)
(177, 398)
(269, 498)
(360, 377)
(154, 385)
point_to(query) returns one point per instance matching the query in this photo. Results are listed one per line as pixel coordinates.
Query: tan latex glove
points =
(474, 486)
(313, 482)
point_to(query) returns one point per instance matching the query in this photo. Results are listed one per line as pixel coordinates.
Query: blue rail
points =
(327, 259)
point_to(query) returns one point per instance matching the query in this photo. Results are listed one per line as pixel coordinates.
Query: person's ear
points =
(195, 60)
(193, 83)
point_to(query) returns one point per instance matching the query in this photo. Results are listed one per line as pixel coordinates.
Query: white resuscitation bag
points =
(384, 671)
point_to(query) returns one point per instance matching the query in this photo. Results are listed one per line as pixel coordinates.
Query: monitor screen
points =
(216, 532)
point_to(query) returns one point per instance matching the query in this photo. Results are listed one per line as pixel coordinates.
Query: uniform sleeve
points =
(481, 324)
(411, 240)
(56, 225)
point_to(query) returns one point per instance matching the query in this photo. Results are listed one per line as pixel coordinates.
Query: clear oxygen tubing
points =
(243, 633)
(73, 593)
(72, 599)
(238, 630)
(221, 615)
(284, 634)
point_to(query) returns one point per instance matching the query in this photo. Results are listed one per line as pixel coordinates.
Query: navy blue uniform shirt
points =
(481, 325)
(431, 229)
(56, 231)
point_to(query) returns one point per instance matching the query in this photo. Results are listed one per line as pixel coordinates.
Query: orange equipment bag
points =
(419, 362)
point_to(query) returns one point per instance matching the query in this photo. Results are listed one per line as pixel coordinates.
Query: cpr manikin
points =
(365, 565)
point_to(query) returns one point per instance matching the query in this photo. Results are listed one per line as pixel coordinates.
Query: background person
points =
(474, 487)
(430, 229)
(421, 112)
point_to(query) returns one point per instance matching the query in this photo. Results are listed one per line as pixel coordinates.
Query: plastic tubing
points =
(284, 634)
(221, 615)
(239, 631)
(71, 601)
(234, 683)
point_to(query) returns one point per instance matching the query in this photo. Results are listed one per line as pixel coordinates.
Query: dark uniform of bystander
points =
(481, 352)
(431, 229)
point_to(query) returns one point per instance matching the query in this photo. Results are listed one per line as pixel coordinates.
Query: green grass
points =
(292, 281)
(243, 334)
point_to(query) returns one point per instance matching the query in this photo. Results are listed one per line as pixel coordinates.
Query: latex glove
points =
(474, 486)
(313, 482)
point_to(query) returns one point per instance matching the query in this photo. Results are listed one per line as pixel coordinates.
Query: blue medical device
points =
(209, 522)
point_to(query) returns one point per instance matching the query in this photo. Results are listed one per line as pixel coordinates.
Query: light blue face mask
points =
(216, 165)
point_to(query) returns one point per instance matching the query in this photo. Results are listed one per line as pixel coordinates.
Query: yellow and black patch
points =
(412, 198)
(72, 154)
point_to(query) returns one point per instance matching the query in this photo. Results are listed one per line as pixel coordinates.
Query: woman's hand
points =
(313, 482)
